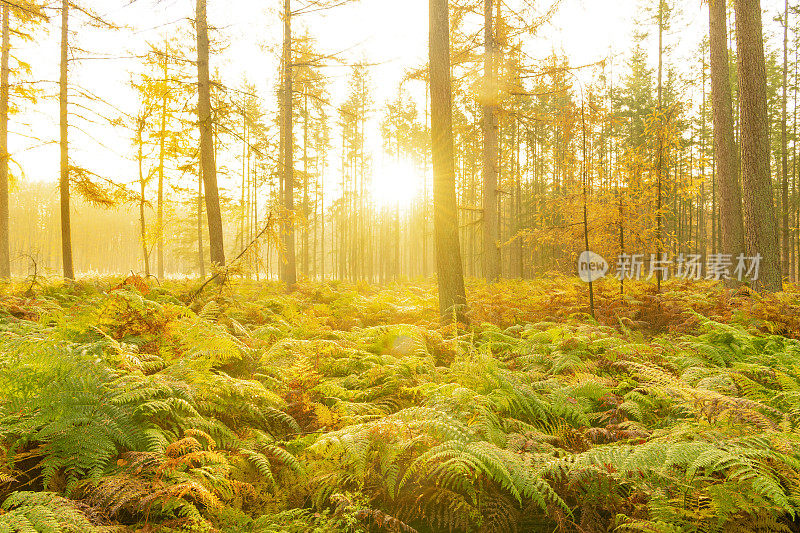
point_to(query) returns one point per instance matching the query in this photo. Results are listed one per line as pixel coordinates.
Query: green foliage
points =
(264, 412)
(40, 512)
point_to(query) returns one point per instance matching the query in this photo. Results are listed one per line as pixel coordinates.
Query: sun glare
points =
(397, 183)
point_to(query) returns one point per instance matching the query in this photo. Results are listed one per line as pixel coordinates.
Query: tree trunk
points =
(425, 204)
(200, 254)
(5, 248)
(321, 174)
(142, 189)
(701, 203)
(207, 162)
(491, 250)
(796, 215)
(306, 210)
(244, 211)
(761, 229)
(660, 152)
(161, 150)
(452, 297)
(726, 182)
(785, 267)
(289, 270)
(66, 230)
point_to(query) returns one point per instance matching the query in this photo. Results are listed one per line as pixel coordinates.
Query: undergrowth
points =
(131, 407)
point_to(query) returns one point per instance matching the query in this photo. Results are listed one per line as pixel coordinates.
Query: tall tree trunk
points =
(425, 202)
(761, 229)
(161, 153)
(491, 250)
(660, 153)
(207, 160)
(445, 218)
(701, 204)
(142, 200)
(306, 209)
(66, 229)
(289, 271)
(5, 248)
(201, 258)
(796, 215)
(585, 186)
(518, 202)
(785, 266)
(321, 174)
(245, 191)
(726, 182)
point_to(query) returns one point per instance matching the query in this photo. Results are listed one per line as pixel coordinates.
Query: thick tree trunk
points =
(785, 265)
(491, 250)
(5, 248)
(289, 271)
(66, 229)
(727, 186)
(445, 218)
(207, 160)
(761, 229)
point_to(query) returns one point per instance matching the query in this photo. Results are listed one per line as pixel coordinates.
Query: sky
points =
(391, 35)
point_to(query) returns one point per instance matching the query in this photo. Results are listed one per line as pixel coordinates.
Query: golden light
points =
(397, 183)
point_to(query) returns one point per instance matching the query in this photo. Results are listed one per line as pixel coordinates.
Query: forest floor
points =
(142, 407)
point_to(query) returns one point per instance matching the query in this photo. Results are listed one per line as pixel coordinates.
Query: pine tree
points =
(727, 187)
(761, 228)
(66, 225)
(491, 237)
(289, 271)
(5, 250)
(452, 297)
(207, 156)
(785, 265)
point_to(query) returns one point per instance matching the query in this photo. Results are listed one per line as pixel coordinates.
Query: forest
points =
(404, 266)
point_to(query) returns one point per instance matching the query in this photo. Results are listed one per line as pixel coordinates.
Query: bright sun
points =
(397, 183)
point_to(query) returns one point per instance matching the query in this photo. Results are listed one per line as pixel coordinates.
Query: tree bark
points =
(142, 189)
(452, 297)
(207, 162)
(785, 265)
(701, 204)
(245, 191)
(796, 215)
(727, 186)
(306, 210)
(491, 250)
(289, 270)
(5, 248)
(761, 229)
(161, 154)
(201, 259)
(66, 230)
(660, 150)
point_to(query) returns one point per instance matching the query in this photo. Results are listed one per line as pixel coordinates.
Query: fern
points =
(33, 512)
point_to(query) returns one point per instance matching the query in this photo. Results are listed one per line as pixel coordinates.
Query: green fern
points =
(42, 512)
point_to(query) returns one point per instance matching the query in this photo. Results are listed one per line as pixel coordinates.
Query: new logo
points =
(591, 267)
